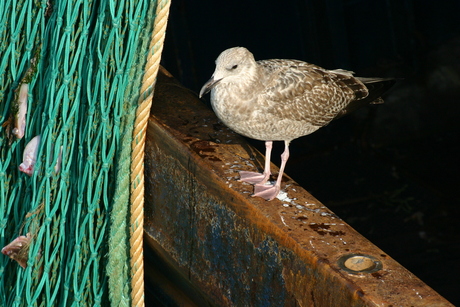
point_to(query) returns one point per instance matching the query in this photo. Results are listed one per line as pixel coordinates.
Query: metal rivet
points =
(359, 263)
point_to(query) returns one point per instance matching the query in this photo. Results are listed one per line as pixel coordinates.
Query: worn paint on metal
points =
(244, 251)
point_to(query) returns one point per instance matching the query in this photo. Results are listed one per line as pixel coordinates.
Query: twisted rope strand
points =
(137, 157)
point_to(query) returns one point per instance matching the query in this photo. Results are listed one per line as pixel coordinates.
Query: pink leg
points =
(269, 192)
(259, 178)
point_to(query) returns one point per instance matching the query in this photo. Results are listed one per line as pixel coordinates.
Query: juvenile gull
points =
(281, 100)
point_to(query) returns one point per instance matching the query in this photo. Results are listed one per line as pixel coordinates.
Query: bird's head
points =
(232, 64)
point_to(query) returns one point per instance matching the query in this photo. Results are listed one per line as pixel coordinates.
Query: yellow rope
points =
(137, 157)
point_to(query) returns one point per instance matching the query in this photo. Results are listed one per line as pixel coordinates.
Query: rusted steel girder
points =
(244, 251)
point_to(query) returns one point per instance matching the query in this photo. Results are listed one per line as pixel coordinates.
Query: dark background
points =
(391, 171)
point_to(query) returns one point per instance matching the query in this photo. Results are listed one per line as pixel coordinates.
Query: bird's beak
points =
(209, 85)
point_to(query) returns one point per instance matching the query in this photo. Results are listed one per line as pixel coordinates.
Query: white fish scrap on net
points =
(30, 157)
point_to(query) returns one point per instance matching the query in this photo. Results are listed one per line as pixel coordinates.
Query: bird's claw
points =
(251, 177)
(268, 192)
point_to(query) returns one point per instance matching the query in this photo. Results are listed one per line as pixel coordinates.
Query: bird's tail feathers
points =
(376, 87)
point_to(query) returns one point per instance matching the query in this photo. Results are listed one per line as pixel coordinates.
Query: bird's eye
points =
(233, 67)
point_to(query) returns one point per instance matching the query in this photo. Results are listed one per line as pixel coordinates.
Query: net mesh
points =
(82, 62)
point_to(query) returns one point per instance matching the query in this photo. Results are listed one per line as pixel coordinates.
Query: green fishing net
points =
(67, 224)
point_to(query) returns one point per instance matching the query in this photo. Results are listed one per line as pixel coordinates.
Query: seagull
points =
(282, 100)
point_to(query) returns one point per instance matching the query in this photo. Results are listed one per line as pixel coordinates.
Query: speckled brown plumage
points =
(281, 100)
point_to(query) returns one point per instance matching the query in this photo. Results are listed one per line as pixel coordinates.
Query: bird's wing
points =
(297, 90)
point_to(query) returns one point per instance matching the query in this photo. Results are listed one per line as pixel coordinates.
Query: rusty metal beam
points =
(244, 251)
